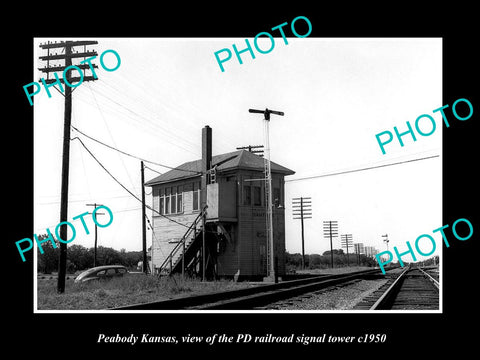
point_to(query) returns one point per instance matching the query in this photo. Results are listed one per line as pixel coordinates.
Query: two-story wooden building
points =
(235, 224)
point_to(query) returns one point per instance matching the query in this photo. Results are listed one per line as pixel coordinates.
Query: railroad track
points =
(413, 289)
(254, 297)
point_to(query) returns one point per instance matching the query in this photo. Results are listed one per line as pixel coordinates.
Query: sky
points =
(336, 93)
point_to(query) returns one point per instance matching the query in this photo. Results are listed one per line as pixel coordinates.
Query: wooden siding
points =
(222, 201)
(252, 239)
(246, 251)
(228, 256)
(166, 232)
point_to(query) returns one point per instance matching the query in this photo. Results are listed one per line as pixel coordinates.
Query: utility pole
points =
(144, 226)
(251, 148)
(359, 249)
(302, 209)
(67, 56)
(347, 241)
(95, 205)
(330, 230)
(268, 189)
(205, 180)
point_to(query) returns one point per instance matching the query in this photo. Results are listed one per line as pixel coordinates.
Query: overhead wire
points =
(79, 200)
(160, 97)
(142, 119)
(123, 186)
(110, 133)
(361, 169)
(156, 171)
(133, 156)
(132, 194)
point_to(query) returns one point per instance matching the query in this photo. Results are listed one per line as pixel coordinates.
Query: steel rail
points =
(248, 298)
(429, 277)
(265, 298)
(387, 295)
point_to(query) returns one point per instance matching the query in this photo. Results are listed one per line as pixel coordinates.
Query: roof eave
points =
(160, 182)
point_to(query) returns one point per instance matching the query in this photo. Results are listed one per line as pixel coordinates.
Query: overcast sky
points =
(336, 93)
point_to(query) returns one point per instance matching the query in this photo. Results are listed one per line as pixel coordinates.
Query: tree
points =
(293, 261)
(335, 252)
(80, 256)
(48, 260)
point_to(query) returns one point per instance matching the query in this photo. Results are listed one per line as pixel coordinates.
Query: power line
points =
(362, 169)
(134, 156)
(110, 133)
(123, 186)
(80, 200)
(146, 120)
(158, 172)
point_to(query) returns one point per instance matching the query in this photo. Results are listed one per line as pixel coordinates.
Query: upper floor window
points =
(171, 200)
(247, 195)
(257, 196)
(196, 195)
(276, 197)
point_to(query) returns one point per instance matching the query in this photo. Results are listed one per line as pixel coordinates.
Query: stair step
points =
(176, 254)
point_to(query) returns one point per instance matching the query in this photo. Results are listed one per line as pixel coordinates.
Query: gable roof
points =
(240, 159)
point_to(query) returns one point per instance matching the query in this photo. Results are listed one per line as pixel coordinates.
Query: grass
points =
(127, 290)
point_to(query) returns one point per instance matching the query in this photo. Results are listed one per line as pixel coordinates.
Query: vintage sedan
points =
(102, 272)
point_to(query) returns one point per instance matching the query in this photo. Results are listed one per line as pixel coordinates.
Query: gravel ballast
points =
(342, 297)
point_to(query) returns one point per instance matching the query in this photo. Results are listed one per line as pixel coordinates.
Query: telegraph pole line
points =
(359, 249)
(251, 148)
(95, 245)
(347, 241)
(268, 189)
(330, 230)
(144, 227)
(302, 209)
(67, 56)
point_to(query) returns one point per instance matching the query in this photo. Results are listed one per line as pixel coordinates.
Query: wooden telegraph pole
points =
(252, 149)
(95, 246)
(144, 226)
(347, 242)
(330, 230)
(302, 209)
(67, 56)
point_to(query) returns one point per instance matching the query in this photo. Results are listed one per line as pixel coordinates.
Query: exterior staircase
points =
(182, 257)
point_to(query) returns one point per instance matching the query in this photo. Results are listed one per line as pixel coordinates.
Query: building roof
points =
(240, 159)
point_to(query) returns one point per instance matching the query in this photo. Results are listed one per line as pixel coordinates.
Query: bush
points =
(316, 261)
(80, 258)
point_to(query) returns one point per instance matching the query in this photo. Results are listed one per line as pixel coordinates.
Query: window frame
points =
(277, 190)
(196, 194)
(170, 200)
(255, 188)
(247, 195)
(180, 199)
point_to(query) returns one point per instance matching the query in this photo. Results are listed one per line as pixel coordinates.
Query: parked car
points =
(102, 272)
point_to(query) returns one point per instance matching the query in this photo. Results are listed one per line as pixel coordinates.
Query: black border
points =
(422, 333)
